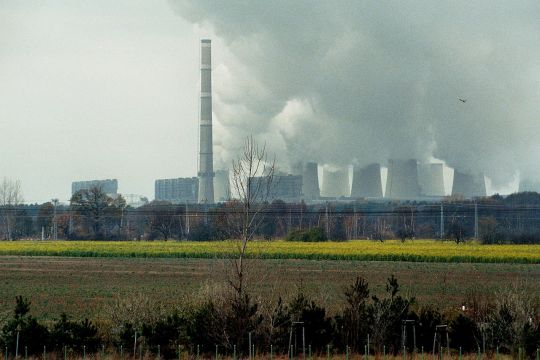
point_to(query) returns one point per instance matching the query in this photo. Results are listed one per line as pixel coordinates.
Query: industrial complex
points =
(398, 179)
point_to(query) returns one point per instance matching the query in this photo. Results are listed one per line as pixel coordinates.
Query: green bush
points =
(315, 234)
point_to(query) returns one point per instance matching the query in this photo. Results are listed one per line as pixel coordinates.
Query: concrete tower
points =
(335, 183)
(367, 182)
(432, 179)
(467, 185)
(310, 181)
(206, 166)
(402, 179)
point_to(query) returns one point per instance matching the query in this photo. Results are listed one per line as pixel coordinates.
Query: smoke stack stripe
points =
(206, 166)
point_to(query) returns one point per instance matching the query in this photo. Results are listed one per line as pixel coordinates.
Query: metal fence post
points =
(44, 353)
(84, 352)
(159, 352)
(234, 352)
(271, 352)
(328, 352)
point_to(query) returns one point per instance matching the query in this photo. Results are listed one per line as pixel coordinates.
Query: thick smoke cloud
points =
(362, 81)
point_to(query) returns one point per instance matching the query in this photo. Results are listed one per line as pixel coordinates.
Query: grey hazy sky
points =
(108, 89)
(96, 89)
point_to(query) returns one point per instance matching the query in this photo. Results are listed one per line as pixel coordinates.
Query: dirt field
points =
(83, 286)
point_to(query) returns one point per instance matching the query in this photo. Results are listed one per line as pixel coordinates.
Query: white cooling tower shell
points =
(335, 183)
(431, 179)
(467, 185)
(222, 187)
(402, 179)
(367, 182)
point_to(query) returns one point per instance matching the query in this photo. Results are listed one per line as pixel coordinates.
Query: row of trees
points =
(379, 323)
(94, 215)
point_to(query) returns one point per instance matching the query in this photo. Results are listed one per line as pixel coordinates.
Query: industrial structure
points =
(467, 185)
(177, 191)
(367, 182)
(335, 183)
(310, 181)
(431, 178)
(281, 186)
(108, 186)
(206, 160)
(222, 186)
(402, 179)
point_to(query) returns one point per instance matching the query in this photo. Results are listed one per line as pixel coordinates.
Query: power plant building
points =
(402, 179)
(467, 186)
(108, 186)
(282, 187)
(177, 191)
(335, 183)
(367, 182)
(222, 186)
(206, 160)
(432, 179)
(310, 181)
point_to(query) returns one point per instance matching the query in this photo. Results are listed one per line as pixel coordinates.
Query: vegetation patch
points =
(366, 250)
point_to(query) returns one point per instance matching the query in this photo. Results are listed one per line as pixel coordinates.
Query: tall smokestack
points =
(206, 160)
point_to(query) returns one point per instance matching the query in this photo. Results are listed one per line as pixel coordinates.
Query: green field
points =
(365, 250)
(86, 286)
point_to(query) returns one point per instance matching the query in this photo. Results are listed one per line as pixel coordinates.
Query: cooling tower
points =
(310, 181)
(402, 179)
(206, 166)
(431, 178)
(335, 183)
(467, 186)
(367, 182)
(222, 186)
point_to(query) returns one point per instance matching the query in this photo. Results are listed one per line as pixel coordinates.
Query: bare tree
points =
(252, 179)
(10, 197)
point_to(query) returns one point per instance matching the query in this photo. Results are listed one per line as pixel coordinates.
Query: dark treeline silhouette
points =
(94, 215)
(389, 323)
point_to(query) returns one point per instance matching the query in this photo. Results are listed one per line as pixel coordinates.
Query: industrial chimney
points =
(206, 166)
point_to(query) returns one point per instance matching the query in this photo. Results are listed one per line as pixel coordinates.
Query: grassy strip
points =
(413, 251)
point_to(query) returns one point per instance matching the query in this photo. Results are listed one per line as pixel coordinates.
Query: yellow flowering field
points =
(392, 250)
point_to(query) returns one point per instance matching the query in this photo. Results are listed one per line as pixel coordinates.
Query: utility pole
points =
(442, 222)
(55, 225)
(475, 219)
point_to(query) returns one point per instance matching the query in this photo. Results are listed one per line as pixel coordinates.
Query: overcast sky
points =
(109, 89)
(96, 89)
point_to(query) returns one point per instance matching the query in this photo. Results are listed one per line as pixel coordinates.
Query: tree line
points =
(92, 214)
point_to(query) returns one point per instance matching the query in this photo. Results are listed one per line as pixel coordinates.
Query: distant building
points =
(283, 187)
(108, 186)
(178, 190)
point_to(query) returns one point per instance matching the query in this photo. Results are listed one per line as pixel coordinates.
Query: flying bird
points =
(462, 100)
